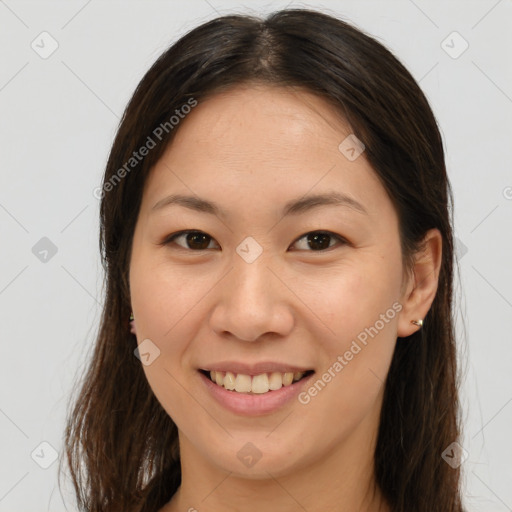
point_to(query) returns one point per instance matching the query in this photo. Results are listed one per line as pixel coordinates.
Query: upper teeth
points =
(257, 384)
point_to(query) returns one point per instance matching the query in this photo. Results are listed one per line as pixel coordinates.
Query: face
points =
(262, 289)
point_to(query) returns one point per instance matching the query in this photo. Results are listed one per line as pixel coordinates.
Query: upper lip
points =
(253, 369)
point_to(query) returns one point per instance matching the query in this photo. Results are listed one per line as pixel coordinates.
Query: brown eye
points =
(193, 240)
(318, 241)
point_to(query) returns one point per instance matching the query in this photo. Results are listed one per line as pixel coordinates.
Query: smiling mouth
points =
(257, 384)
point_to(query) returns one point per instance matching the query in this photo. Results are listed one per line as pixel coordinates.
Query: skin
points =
(250, 151)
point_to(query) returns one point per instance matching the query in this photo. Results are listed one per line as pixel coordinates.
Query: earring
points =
(132, 324)
(417, 322)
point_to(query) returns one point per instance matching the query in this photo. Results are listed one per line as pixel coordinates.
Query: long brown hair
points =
(121, 445)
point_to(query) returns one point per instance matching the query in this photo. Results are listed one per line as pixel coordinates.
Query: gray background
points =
(57, 121)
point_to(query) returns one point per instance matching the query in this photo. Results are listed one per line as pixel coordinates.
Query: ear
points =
(133, 330)
(421, 286)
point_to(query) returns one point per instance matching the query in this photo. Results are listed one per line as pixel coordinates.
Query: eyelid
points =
(341, 240)
(168, 240)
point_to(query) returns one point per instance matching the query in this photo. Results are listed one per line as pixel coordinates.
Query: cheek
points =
(165, 300)
(349, 298)
(163, 296)
(358, 309)
(355, 359)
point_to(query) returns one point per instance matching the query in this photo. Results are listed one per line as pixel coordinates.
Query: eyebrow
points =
(293, 207)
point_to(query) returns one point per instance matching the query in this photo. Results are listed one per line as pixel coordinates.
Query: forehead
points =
(263, 119)
(264, 142)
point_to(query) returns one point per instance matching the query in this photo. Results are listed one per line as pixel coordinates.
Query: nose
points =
(252, 301)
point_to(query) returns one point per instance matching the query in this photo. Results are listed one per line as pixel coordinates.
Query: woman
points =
(275, 223)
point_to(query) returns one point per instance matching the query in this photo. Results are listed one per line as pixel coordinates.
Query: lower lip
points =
(256, 404)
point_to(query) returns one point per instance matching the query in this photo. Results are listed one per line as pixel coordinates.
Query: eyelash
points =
(171, 238)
